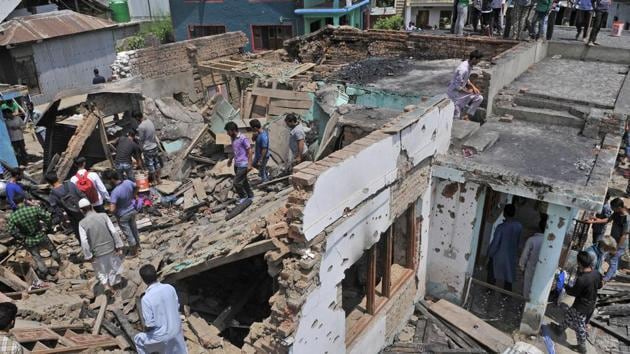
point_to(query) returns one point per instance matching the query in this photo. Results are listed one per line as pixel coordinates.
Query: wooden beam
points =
(102, 301)
(199, 189)
(75, 145)
(250, 250)
(225, 317)
(12, 280)
(371, 281)
(488, 336)
(387, 274)
(103, 134)
(283, 94)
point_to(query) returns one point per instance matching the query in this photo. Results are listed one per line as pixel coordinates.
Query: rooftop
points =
(48, 25)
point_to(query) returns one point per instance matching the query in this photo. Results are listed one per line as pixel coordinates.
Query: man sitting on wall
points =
(464, 94)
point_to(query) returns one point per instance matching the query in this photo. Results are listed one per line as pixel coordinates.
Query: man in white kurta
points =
(101, 244)
(160, 314)
(465, 96)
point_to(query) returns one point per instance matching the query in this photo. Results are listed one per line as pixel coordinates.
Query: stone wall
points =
(347, 44)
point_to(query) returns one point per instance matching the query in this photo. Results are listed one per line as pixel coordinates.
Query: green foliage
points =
(161, 29)
(395, 23)
(131, 43)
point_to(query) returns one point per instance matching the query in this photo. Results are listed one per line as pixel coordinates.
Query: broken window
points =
(271, 37)
(370, 282)
(196, 31)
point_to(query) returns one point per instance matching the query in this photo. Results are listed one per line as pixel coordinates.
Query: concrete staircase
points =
(468, 135)
(531, 108)
(399, 5)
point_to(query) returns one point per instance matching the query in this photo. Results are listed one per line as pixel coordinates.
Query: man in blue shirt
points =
(503, 249)
(14, 188)
(601, 17)
(261, 152)
(583, 15)
(121, 199)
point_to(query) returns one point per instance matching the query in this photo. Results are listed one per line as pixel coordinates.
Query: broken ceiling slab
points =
(481, 141)
(462, 129)
(543, 162)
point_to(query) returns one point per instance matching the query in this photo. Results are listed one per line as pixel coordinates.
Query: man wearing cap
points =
(101, 244)
(96, 191)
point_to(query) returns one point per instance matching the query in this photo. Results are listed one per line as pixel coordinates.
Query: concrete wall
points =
(235, 15)
(67, 62)
(598, 53)
(453, 236)
(510, 65)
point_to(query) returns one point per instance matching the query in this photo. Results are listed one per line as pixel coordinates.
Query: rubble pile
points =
(613, 309)
(374, 68)
(120, 67)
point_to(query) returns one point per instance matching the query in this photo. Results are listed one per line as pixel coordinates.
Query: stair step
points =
(543, 103)
(540, 115)
(462, 129)
(481, 141)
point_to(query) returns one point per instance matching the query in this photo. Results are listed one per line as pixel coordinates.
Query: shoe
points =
(556, 330)
(580, 348)
(590, 44)
(595, 43)
(241, 201)
(577, 36)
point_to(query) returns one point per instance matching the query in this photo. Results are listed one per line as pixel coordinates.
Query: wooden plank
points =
(389, 252)
(102, 301)
(31, 335)
(278, 111)
(472, 325)
(292, 103)
(103, 134)
(200, 189)
(284, 94)
(75, 145)
(12, 280)
(371, 281)
(611, 330)
(250, 250)
(188, 198)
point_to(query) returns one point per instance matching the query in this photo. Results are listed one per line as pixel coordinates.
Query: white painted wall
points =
(363, 180)
(453, 230)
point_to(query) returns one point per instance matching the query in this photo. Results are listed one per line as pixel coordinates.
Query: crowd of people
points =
(523, 19)
(504, 263)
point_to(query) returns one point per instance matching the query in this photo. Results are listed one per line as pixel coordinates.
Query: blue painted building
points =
(267, 23)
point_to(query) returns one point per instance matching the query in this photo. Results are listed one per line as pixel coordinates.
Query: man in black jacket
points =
(585, 292)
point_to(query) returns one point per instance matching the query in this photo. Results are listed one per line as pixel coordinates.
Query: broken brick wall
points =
(171, 59)
(347, 44)
(340, 207)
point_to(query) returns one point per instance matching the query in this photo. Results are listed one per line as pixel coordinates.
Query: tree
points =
(395, 23)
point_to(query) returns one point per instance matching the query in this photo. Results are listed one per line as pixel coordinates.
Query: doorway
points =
(422, 19)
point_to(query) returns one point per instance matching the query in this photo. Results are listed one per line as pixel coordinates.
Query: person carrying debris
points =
(64, 201)
(14, 187)
(160, 313)
(242, 158)
(101, 244)
(619, 231)
(90, 184)
(8, 345)
(29, 224)
(503, 249)
(121, 198)
(464, 94)
(529, 258)
(126, 150)
(602, 250)
(585, 292)
(150, 150)
(15, 126)
(261, 152)
(297, 139)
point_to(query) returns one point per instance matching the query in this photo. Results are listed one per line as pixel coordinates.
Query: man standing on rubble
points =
(30, 224)
(150, 150)
(101, 245)
(619, 231)
(121, 198)
(242, 158)
(261, 153)
(126, 150)
(503, 249)
(8, 345)
(297, 139)
(64, 199)
(14, 188)
(464, 94)
(160, 312)
(529, 258)
(15, 126)
(90, 184)
(585, 292)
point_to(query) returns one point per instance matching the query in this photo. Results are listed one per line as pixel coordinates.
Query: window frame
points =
(190, 27)
(253, 26)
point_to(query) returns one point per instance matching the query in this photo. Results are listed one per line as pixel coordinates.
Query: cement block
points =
(463, 129)
(481, 141)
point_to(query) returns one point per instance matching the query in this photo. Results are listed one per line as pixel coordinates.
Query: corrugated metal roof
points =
(49, 25)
